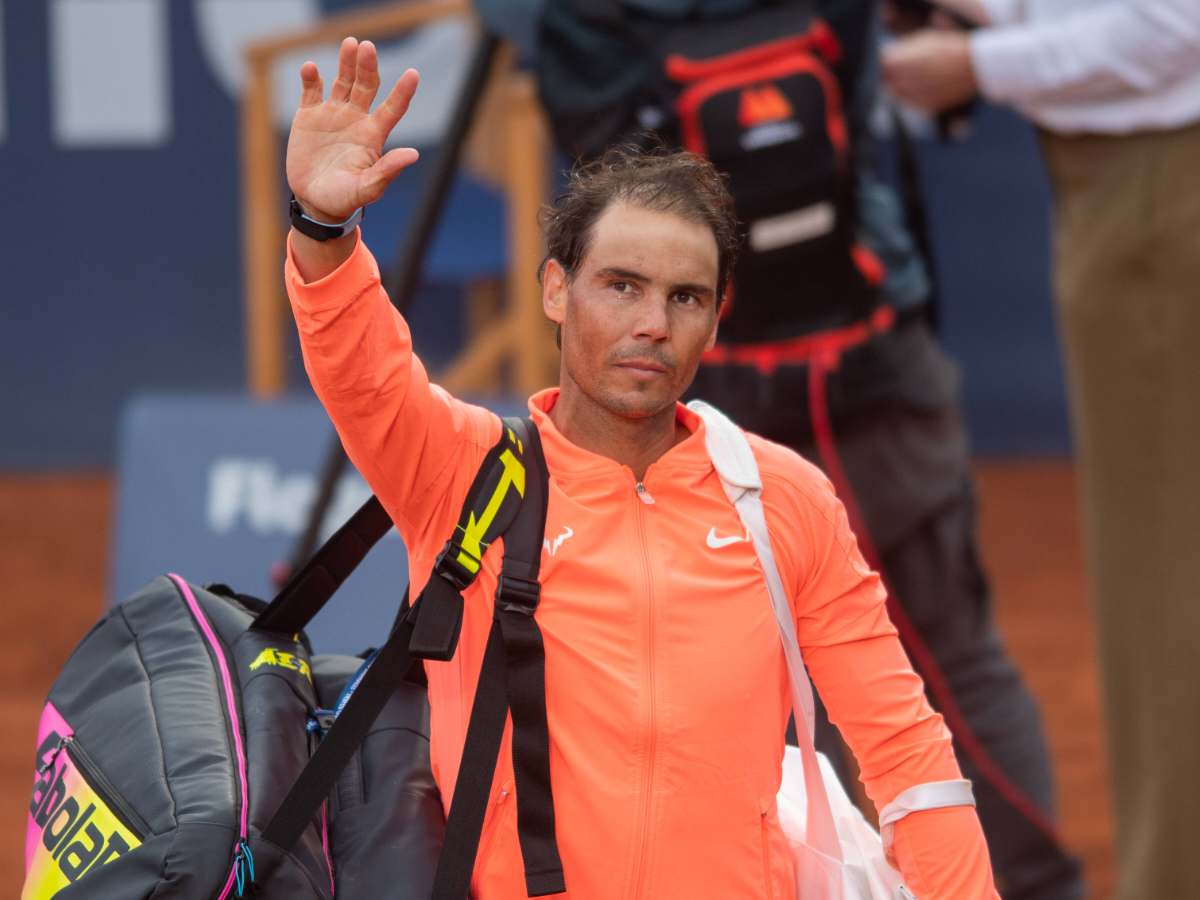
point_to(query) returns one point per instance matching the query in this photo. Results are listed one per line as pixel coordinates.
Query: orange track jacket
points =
(666, 688)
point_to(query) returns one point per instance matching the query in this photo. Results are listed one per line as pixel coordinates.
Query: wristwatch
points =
(321, 231)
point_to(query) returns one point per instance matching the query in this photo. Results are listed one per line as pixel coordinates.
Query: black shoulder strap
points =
(490, 507)
(310, 588)
(512, 676)
(517, 598)
(389, 666)
(487, 511)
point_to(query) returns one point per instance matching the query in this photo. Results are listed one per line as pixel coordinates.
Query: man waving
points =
(666, 686)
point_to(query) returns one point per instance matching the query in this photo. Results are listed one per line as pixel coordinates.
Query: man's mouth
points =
(643, 365)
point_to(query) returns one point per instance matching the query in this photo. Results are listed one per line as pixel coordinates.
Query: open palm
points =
(335, 158)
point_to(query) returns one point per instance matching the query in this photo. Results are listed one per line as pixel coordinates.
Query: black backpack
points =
(193, 747)
(760, 90)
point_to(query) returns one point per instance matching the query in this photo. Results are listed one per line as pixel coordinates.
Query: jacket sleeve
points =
(417, 447)
(857, 665)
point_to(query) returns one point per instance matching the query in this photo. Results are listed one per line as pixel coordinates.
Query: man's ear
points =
(554, 291)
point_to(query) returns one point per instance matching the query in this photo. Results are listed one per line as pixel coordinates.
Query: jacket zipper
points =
(99, 782)
(647, 805)
(764, 832)
(242, 864)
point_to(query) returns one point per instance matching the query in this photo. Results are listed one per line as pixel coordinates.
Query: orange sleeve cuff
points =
(331, 292)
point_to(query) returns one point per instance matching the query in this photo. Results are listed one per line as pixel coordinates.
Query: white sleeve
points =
(1112, 50)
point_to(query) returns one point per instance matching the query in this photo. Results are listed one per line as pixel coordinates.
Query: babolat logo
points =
(72, 829)
(273, 657)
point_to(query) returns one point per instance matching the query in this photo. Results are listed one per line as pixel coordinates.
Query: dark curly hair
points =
(658, 179)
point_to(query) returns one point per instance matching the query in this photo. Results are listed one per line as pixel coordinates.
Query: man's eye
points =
(621, 287)
(686, 298)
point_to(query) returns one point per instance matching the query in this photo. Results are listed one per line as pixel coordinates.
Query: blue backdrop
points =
(120, 246)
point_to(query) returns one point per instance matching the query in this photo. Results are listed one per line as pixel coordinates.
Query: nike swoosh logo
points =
(718, 542)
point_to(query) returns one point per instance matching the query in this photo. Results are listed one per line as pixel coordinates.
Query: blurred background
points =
(154, 413)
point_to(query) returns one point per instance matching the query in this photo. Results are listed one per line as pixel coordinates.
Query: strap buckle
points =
(449, 567)
(516, 594)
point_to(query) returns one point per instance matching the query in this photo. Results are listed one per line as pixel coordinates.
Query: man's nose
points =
(653, 320)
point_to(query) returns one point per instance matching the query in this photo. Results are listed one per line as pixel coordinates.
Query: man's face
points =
(639, 311)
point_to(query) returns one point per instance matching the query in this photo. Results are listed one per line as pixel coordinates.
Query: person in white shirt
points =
(1114, 86)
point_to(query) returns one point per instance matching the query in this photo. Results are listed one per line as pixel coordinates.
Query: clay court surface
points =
(54, 538)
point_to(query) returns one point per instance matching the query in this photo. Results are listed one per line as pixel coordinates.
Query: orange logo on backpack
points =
(762, 104)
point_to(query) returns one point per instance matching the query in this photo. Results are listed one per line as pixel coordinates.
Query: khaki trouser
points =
(1127, 280)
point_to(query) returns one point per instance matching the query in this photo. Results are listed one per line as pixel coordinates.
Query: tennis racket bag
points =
(173, 736)
(193, 748)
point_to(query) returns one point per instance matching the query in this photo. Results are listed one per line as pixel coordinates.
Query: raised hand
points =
(335, 158)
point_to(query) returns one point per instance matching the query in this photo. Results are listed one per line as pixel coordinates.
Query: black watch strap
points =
(321, 231)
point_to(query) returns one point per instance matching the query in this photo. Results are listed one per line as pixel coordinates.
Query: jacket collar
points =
(566, 459)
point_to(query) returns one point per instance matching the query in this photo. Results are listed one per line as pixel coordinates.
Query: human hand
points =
(930, 69)
(335, 158)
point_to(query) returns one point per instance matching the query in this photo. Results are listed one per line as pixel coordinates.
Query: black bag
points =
(385, 812)
(192, 746)
(759, 91)
(175, 731)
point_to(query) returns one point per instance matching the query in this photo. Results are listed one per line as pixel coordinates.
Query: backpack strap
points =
(307, 592)
(734, 461)
(512, 677)
(517, 597)
(297, 810)
(489, 509)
